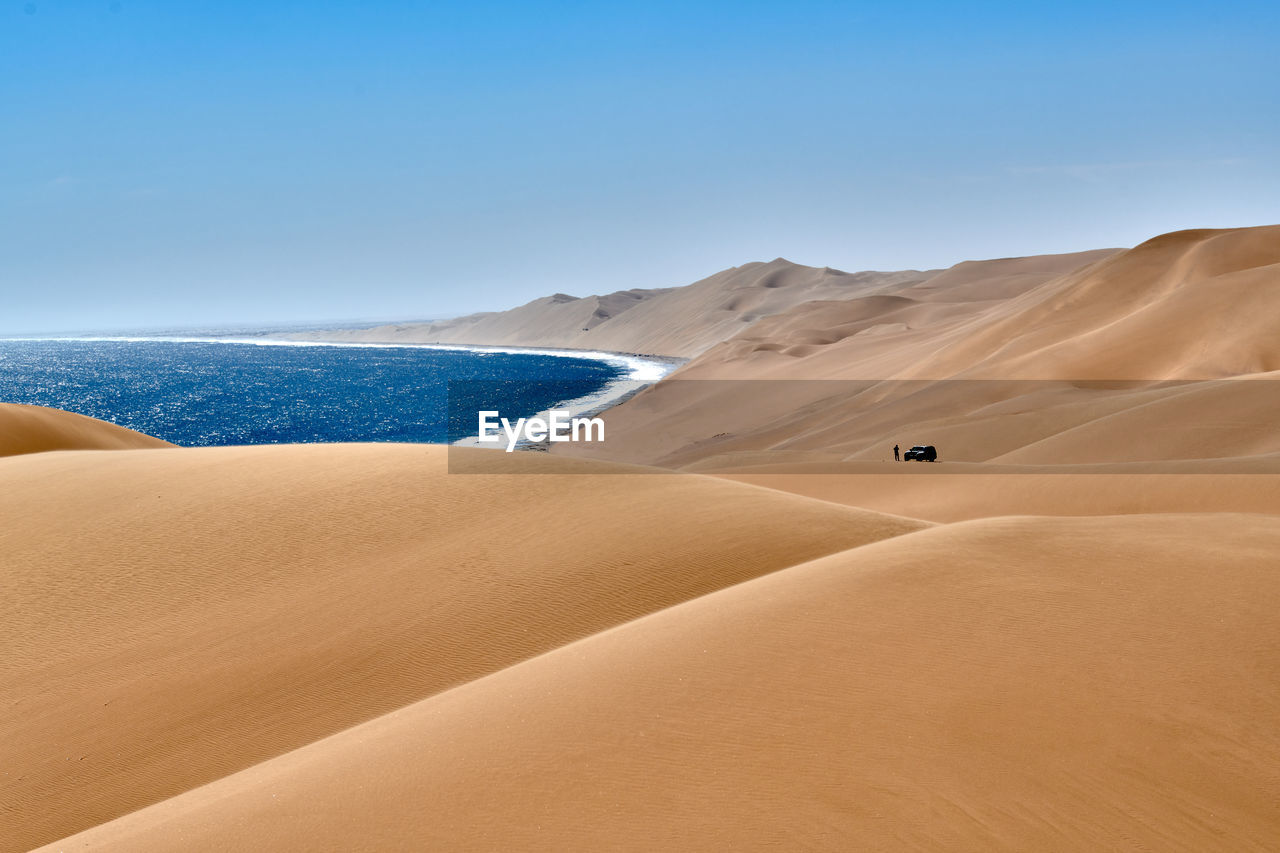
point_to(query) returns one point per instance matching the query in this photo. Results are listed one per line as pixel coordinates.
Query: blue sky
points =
(189, 163)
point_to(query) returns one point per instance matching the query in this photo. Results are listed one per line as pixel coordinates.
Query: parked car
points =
(921, 453)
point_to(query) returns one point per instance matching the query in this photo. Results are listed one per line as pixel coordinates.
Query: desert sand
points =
(1061, 637)
(1013, 369)
(32, 429)
(993, 372)
(673, 321)
(1011, 683)
(171, 617)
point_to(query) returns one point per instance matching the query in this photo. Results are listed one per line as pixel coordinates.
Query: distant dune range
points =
(1063, 637)
(995, 362)
(675, 321)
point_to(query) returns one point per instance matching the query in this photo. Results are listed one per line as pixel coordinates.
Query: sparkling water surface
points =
(200, 393)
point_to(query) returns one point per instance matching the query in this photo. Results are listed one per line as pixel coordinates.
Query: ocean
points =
(204, 392)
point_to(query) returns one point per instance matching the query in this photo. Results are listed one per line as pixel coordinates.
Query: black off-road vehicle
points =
(921, 453)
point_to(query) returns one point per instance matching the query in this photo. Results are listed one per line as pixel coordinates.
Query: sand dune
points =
(713, 425)
(948, 497)
(346, 647)
(1000, 372)
(1001, 278)
(1020, 684)
(1191, 305)
(1188, 305)
(35, 429)
(172, 617)
(680, 321)
(890, 334)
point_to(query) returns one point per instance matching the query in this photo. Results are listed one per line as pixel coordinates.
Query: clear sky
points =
(191, 162)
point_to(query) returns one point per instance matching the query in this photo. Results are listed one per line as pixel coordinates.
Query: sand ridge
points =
(950, 497)
(1010, 683)
(170, 617)
(36, 429)
(996, 373)
(674, 321)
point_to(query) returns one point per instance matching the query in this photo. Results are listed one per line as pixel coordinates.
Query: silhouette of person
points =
(895, 454)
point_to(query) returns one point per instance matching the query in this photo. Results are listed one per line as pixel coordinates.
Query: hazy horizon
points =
(301, 164)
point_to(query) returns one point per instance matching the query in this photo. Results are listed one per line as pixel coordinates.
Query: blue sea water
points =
(200, 393)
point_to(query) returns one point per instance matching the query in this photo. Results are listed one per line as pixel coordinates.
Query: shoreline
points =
(644, 370)
(640, 370)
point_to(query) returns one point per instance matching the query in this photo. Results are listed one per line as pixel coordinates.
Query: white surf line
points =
(640, 371)
(639, 367)
(612, 393)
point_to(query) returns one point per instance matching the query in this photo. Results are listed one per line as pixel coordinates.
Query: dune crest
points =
(675, 321)
(35, 429)
(1002, 362)
(172, 617)
(1006, 684)
(1187, 305)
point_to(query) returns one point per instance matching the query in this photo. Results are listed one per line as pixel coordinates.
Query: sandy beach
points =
(1062, 636)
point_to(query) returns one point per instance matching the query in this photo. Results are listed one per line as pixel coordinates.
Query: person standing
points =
(895, 454)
